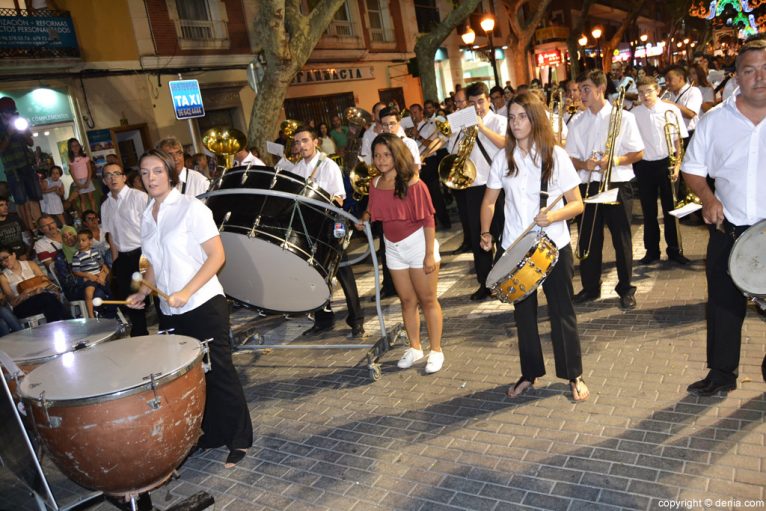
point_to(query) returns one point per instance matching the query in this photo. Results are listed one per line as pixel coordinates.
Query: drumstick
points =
(98, 302)
(137, 277)
(532, 225)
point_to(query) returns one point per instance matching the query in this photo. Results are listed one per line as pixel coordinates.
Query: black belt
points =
(131, 252)
(735, 231)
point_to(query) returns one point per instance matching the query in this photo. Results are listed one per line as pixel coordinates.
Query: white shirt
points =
(493, 122)
(503, 110)
(651, 125)
(250, 159)
(587, 134)
(630, 88)
(553, 118)
(327, 176)
(425, 129)
(691, 98)
(367, 138)
(173, 245)
(735, 157)
(196, 183)
(729, 88)
(413, 147)
(522, 192)
(121, 217)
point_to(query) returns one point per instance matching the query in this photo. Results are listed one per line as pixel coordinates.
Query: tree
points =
(611, 44)
(287, 39)
(428, 43)
(574, 35)
(522, 29)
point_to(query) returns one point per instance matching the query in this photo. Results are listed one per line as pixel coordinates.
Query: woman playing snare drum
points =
(181, 241)
(531, 151)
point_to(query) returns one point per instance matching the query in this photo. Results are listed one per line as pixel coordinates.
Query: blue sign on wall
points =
(37, 31)
(187, 99)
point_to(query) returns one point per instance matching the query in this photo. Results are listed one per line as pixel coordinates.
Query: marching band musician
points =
(497, 96)
(375, 129)
(652, 171)
(460, 195)
(489, 141)
(390, 119)
(736, 158)
(190, 182)
(685, 96)
(327, 175)
(196, 305)
(245, 157)
(585, 145)
(530, 159)
(572, 100)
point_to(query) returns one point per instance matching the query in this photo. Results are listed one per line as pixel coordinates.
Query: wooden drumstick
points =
(137, 277)
(98, 302)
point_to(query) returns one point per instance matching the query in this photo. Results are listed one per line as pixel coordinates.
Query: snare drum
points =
(522, 268)
(120, 417)
(747, 263)
(281, 252)
(32, 347)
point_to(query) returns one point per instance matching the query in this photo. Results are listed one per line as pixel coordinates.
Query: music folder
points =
(606, 197)
(687, 209)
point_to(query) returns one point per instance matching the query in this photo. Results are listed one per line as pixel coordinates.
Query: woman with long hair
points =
(531, 164)
(400, 200)
(82, 171)
(326, 143)
(698, 78)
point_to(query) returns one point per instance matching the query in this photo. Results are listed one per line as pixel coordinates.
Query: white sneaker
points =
(435, 362)
(411, 355)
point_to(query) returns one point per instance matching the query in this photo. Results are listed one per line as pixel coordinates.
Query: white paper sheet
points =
(686, 210)
(462, 119)
(275, 149)
(603, 197)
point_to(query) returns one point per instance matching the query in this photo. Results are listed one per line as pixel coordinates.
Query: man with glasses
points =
(121, 215)
(51, 242)
(499, 104)
(190, 182)
(389, 118)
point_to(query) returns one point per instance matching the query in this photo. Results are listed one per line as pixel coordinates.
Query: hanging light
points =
(487, 23)
(469, 36)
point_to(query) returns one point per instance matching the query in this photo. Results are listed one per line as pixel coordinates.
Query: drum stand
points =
(387, 339)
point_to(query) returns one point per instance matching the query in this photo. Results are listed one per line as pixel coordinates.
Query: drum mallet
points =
(98, 302)
(139, 280)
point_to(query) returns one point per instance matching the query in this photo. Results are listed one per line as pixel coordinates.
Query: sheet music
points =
(275, 149)
(603, 197)
(688, 209)
(462, 119)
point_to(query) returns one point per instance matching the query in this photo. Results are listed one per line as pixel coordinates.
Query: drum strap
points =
(183, 185)
(320, 160)
(543, 192)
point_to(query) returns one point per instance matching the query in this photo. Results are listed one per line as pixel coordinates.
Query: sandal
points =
(580, 391)
(234, 457)
(519, 389)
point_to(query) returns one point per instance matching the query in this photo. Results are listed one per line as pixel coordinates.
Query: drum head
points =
(53, 339)
(511, 259)
(266, 276)
(111, 368)
(747, 262)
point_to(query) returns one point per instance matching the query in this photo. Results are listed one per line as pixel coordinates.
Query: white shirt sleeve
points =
(567, 175)
(694, 102)
(202, 225)
(630, 138)
(498, 169)
(695, 160)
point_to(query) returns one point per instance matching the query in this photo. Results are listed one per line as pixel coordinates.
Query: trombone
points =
(615, 122)
(675, 156)
(556, 110)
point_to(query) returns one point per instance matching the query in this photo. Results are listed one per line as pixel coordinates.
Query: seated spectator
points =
(39, 300)
(11, 231)
(8, 320)
(51, 242)
(91, 221)
(88, 265)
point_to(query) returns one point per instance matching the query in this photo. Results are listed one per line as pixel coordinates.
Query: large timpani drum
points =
(747, 263)
(523, 267)
(32, 347)
(281, 251)
(120, 417)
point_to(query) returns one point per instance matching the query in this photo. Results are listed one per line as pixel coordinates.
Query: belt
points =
(735, 231)
(131, 252)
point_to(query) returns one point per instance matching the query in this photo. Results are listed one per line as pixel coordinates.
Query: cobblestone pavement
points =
(328, 438)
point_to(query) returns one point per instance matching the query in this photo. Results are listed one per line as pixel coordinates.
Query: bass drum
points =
(281, 252)
(747, 263)
(121, 416)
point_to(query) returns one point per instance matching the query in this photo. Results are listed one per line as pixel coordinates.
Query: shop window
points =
(380, 21)
(426, 14)
(200, 23)
(318, 108)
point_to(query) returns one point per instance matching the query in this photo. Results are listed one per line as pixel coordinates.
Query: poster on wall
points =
(101, 145)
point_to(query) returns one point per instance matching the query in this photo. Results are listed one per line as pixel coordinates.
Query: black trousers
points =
(566, 340)
(44, 303)
(226, 420)
(726, 309)
(482, 259)
(653, 181)
(355, 318)
(429, 173)
(123, 268)
(617, 220)
(462, 212)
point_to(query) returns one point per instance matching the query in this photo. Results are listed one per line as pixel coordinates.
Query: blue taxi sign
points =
(187, 99)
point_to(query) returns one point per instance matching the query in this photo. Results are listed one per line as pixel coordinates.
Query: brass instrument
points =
(358, 119)
(556, 110)
(443, 128)
(457, 171)
(675, 156)
(360, 177)
(288, 128)
(224, 142)
(615, 123)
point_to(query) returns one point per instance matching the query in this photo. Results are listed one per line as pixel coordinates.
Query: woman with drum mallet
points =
(400, 200)
(184, 249)
(535, 174)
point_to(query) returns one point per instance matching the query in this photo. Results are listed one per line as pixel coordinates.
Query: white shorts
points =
(410, 252)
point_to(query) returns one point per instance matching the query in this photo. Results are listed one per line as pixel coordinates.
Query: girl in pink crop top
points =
(81, 168)
(400, 200)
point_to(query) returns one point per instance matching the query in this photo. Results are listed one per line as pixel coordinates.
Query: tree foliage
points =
(522, 28)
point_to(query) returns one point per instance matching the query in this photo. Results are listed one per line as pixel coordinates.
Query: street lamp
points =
(643, 39)
(583, 42)
(596, 33)
(488, 25)
(469, 36)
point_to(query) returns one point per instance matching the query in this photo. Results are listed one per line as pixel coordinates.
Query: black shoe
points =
(699, 384)
(586, 296)
(318, 329)
(712, 387)
(679, 258)
(357, 332)
(383, 295)
(462, 249)
(648, 259)
(480, 294)
(628, 301)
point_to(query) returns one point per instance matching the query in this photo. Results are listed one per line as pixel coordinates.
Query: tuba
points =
(288, 127)
(224, 142)
(359, 173)
(360, 177)
(457, 171)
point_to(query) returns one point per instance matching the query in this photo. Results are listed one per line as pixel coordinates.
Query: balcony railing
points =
(37, 34)
(196, 30)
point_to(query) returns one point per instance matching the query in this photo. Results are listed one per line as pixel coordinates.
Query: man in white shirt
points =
(489, 141)
(687, 98)
(245, 157)
(375, 129)
(620, 79)
(653, 170)
(316, 166)
(121, 214)
(730, 147)
(499, 104)
(459, 195)
(190, 182)
(586, 146)
(390, 120)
